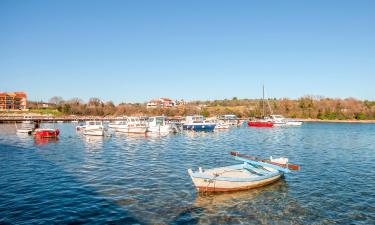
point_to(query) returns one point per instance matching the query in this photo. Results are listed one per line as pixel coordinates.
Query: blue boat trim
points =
(199, 127)
(257, 163)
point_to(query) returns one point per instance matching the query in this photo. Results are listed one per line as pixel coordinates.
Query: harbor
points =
(187, 112)
(133, 178)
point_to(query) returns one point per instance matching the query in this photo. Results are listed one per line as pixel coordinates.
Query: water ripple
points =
(138, 179)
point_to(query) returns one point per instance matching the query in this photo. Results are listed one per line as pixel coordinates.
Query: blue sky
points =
(132, 51)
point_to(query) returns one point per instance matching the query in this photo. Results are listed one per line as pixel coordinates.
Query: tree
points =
(205, 112)
(57, 100)
(94, 102)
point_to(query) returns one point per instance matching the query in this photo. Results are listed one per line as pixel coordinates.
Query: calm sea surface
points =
(135, 179)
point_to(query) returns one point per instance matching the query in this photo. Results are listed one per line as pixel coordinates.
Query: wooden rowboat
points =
(250, 174)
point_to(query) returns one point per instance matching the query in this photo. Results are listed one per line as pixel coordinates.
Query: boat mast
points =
(263, 103)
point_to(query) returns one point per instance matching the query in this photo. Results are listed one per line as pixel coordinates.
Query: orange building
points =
(13, 101)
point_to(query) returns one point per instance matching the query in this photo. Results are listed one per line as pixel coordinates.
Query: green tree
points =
(205, 112)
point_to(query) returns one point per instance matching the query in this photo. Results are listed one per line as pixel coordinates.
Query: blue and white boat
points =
(198, 123)
(252, 173)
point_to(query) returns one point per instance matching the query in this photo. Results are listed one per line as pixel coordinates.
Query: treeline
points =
(305, 107)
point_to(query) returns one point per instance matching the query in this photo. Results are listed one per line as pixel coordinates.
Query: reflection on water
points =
(143, 179)
(93, 142)
(44, 141)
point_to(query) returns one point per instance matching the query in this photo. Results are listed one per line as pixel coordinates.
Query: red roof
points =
(18, 94)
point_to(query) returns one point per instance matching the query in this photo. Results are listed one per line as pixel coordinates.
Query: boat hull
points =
(259, 124)
(294, 123)
(199, 127)
(47, 133)
(98, 132)
(134, 130)
(202, 185)
(24, 131)
(159, 129)
(234, 178)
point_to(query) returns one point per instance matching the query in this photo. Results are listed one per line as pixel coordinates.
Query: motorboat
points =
(220, 124)
(279, 120)
(46, 133)
(230, 119)
(93, 128)
(25, 128)
(158, 124)
(252, 173)
(198, 123)
(132, 125)
(116, 122)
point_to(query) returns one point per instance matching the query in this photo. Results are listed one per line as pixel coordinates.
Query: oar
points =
(289, 166)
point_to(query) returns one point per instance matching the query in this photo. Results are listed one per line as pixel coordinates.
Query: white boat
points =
(231, 120)
(294, 123)
(158, 124)
(27, 125)
(80, 127)
(26, 128)
(220, 124)
(94, 128)
(250, 174)
(118, 121)
(132, 125)
(279, 120)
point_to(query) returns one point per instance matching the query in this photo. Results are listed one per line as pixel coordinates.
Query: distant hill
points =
(304, 107)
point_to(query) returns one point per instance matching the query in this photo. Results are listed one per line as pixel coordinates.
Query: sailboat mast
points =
(263, 102)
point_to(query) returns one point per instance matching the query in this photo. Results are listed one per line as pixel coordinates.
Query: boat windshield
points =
(159, 120)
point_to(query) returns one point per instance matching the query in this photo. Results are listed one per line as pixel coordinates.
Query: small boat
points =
(252, 173)
(158, 124)
(294, 123)
(198, 123)
(279, 120)
(46, 133)
(220, 124)
(26, 128)
(260, 123)
(93, 128)
(135, 125)
(231, 120)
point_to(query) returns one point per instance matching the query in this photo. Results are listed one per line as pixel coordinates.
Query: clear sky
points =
(132, 51)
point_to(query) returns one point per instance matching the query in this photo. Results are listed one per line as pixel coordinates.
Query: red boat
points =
(46, 133)
(260, 124)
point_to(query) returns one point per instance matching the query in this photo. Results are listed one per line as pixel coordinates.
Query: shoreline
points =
(335, 121)
(19, 117)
